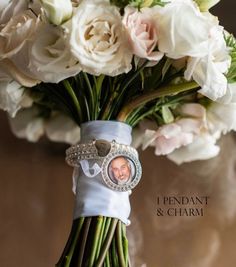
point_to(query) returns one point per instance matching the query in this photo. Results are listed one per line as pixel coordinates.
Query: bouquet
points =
(108, 77)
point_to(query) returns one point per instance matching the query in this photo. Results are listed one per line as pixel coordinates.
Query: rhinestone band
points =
(106, 153)
(89, 151)
(80, 152)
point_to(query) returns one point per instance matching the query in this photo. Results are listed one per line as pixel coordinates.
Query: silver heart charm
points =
(103, 147)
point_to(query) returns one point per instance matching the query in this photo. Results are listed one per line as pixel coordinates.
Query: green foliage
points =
(167, 114)
(231, 44)
(120, 3)
(86, 97)
(136, 3)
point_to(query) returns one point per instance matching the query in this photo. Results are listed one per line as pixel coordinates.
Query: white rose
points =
(13, 97)
(15, 38)
(4, 4)
(36, 6)
(10, 8)
(57, 11)
(27, 124)
(3, 75)
(182, 30)
(16, 33)
(50, 57)
(98, 39)
(203, 147)
(60, 128)
(208, 71)
(18, 72)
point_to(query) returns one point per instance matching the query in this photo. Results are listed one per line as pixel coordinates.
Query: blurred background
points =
(36, 202)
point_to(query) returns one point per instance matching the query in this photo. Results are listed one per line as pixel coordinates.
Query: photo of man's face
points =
(121, 170)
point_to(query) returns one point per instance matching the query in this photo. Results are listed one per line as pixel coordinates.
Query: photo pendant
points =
(121, 170)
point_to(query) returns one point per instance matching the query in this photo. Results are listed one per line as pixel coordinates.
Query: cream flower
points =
(19, 71)
(10, 8)
(15, 38)
(16, 33)
(221, 117)
(60, 128)
(36, 6)
(50, 57)
(182, 30)
(9, 71)
(167, 138)
(179, 133)
(3, 75)
(203, 147)
(208, 71)
(27, 124)
(99, 40)
(230, 96)
(4, 4)
(13, 97)
(142, 32)
(57, 11)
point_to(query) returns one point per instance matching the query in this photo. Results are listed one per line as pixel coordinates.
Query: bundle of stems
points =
(130, 98)
(96, 241)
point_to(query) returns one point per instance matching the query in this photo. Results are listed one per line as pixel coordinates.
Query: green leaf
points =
(231, 44)
(166, 67)
(167, 114)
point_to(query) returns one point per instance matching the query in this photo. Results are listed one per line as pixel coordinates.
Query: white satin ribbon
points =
(90, 171)
(93, 197)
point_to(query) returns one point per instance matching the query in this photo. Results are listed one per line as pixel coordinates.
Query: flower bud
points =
(57, 11)
(205, 5)
(146, 3)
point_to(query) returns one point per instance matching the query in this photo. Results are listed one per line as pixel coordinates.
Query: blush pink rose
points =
(142, 32)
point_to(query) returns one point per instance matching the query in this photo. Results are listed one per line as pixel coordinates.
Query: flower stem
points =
(74, 98)
(163, 91)
(102, 234)
(125, 245)
(84, 239)
(71, 252)
(99, 222)
(69, 242)
(107, 260)
(107, 227)
(91, 94)
(114, 253)
(119, 245)
(107, 242)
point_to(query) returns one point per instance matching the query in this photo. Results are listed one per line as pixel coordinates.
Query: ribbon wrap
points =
(93, 197)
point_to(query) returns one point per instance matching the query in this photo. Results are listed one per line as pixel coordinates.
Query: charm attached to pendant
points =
(119, 164)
